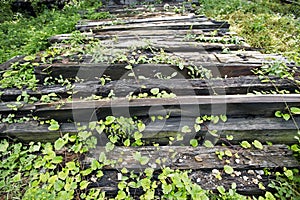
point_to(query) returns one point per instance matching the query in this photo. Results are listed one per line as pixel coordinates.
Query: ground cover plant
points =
(56, 170)
(270, 25)
(24, 34)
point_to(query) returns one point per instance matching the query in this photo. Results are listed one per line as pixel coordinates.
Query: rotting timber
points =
(161, 35)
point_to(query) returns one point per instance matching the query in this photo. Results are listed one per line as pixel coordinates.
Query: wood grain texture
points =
(275, 130)
(182, 157)
(180, 87)
(245, 181)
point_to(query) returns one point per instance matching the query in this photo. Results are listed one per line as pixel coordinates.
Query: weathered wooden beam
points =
(173, 44)
(180, 87)
(196, 158)
(118, 71)
(246, 181)
(9, 62)
(277, 131)
(290, 2)
(161, 34)
(232, 105)
(20, 106)
(131, 21)
(33, 131)
(125, 8)
(183, 106)
(247, 167)
(206, 25)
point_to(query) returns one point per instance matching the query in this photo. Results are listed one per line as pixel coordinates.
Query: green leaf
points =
(154, 91)
(100, 129)
(233, 185)
(95, 165)
(213, 133)
(141, 126)
(145, 183)
(215, 119)
(29, 58)
(278, 113)
(181, 66)
(109, 120)
(223, 118)
(197, 127)
(113, 139)
(72, 138)
(289, 173)
(179, 137)
(57, 160)
(52, 179)
(269, 196)
(44, 177)
(131, 74)
(221, 190)
(137, 135)
(257, 144)
(229, 137)
(86, 172)
(63, 174)
(102, 157)
(149, 172)
(83, 135)
(129, 67)
(208, 144)
(199, 120)
(83, 185)
(59, 143)
(3, 146)
(295, 110)
(124, 170)
(286, 116)
(54, 126)
(92, 125)
(16, 177)
(109, 146)
(295, 147)
(261, 186)
(33, 148)
(71, 165)
(228, 169)
(142, 77)
(153, 118)
(186, 129)
(127, 143)
(137, 155)
(167, 188)
(228, 153)
(159, 117)
(142, 159)
(194, 142)
(121, 195)
(59, 185)
(245, 144)
(99, 174)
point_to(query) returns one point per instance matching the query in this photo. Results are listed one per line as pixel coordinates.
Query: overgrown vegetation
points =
(22, 34)
(56, 170)
(59, 170)
(271, 25)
